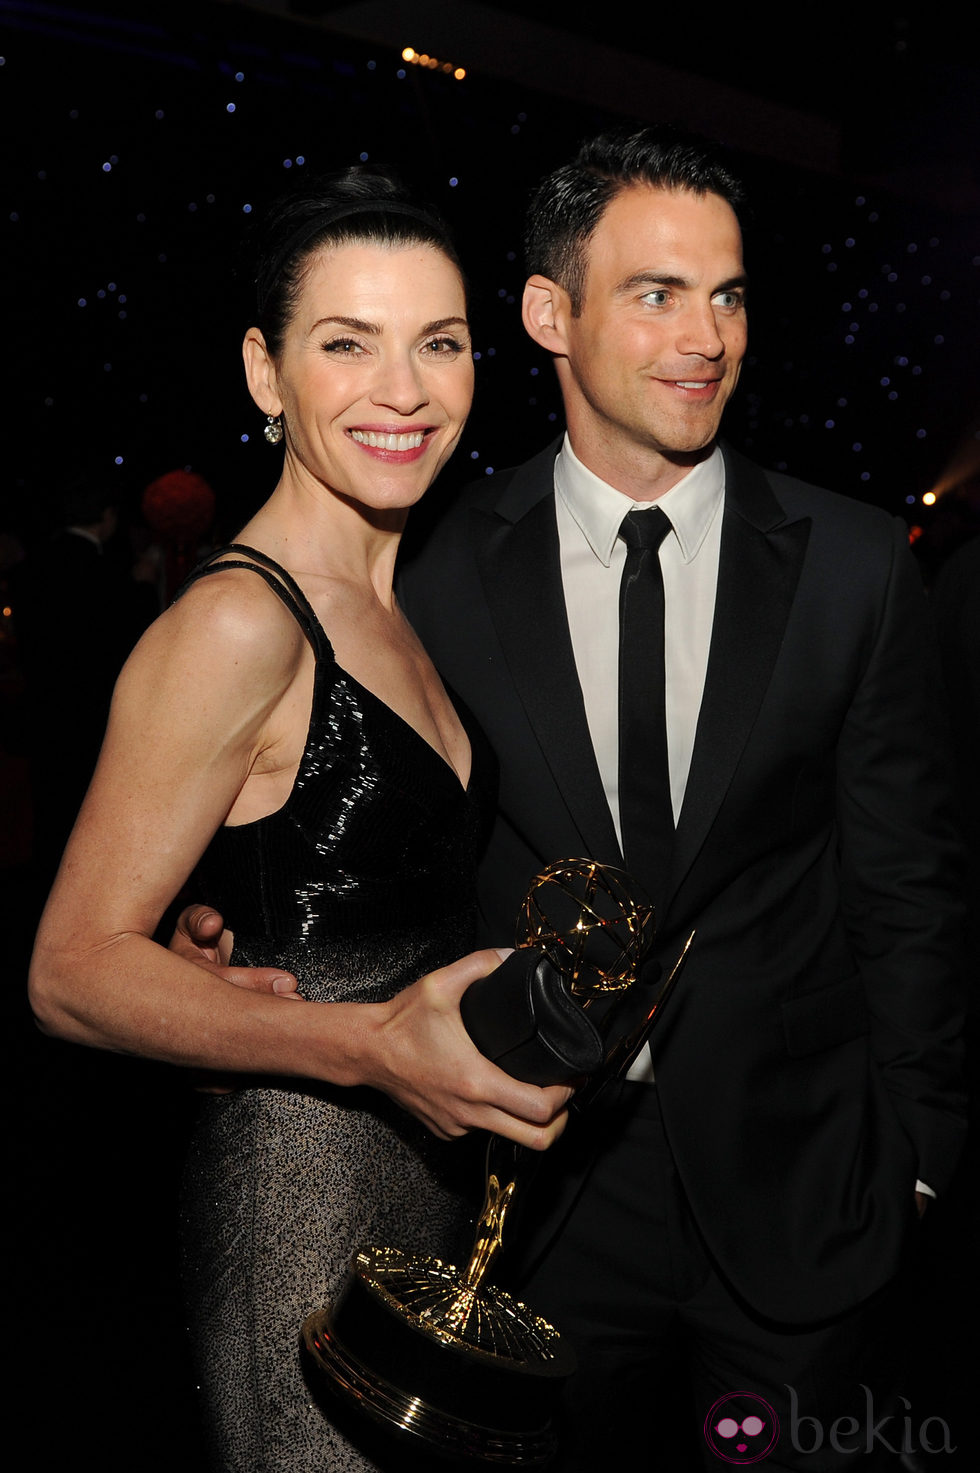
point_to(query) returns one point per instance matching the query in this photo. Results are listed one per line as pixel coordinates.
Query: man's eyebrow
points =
(650, 278)
(739, 282)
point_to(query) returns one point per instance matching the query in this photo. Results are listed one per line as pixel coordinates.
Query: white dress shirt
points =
(592, 555)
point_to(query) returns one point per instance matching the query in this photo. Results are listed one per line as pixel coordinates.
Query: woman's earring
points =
(273, 430)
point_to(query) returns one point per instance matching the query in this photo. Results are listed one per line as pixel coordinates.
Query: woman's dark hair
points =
(567, 206)
(357, 204)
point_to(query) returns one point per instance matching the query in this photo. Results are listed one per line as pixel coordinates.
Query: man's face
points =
(654, 356)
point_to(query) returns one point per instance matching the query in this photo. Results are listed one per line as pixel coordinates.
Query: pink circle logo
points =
(741, 1428)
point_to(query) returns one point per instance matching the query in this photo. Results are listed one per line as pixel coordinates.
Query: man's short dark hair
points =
(568, 204)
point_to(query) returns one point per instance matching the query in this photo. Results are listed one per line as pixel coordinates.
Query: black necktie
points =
(646, 818)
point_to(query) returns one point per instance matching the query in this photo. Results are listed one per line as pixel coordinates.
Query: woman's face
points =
(375, 375)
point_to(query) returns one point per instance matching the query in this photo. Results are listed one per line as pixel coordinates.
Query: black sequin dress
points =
(359, 884)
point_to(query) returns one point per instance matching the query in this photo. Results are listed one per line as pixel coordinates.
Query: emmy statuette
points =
(438, 1352)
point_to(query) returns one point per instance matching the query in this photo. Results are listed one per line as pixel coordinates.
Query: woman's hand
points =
(416, 1049)
(420, 1053)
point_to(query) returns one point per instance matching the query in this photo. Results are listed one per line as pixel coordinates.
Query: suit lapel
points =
(521, 573)
(760, 564)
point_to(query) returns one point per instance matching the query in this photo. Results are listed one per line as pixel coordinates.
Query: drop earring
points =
(273, 429)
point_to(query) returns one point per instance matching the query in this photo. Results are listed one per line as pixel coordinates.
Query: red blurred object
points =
(179, 508)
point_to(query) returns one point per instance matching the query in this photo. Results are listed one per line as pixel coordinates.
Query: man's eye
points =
(729, 299)
(658, 298)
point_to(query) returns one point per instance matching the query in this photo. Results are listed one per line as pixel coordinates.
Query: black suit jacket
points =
(808, 1063)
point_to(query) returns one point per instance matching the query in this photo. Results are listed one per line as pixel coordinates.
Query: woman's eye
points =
(343, 347)
(441, 347)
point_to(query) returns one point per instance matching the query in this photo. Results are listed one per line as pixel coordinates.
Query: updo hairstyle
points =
(356, 205)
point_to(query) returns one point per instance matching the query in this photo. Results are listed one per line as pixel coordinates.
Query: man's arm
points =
(900, 871)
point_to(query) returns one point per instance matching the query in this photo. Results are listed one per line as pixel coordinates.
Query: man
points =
(749, 1194)
(805, 1071)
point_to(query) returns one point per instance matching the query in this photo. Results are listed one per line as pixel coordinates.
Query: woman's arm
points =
(195, 716)
(199, 713)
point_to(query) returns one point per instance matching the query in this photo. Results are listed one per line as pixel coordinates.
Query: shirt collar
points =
(598, 508)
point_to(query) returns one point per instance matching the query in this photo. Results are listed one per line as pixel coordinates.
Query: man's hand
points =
(201, 938)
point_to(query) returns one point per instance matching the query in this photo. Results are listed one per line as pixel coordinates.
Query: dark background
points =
(126, 177)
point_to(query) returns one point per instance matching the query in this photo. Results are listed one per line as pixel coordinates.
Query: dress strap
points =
(283, 584)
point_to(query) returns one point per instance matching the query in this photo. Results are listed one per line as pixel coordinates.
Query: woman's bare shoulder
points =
(228, 622)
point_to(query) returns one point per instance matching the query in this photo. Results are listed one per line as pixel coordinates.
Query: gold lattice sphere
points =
(591, 921)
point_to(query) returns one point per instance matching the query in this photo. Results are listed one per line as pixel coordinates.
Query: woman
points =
(281, 730)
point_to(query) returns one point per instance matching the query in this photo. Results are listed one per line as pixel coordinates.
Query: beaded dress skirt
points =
(359, 885)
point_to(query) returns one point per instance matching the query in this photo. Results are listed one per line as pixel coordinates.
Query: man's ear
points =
(260, 373)
(545, 310)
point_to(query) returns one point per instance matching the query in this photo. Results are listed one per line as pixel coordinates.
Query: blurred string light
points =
(432, 63)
